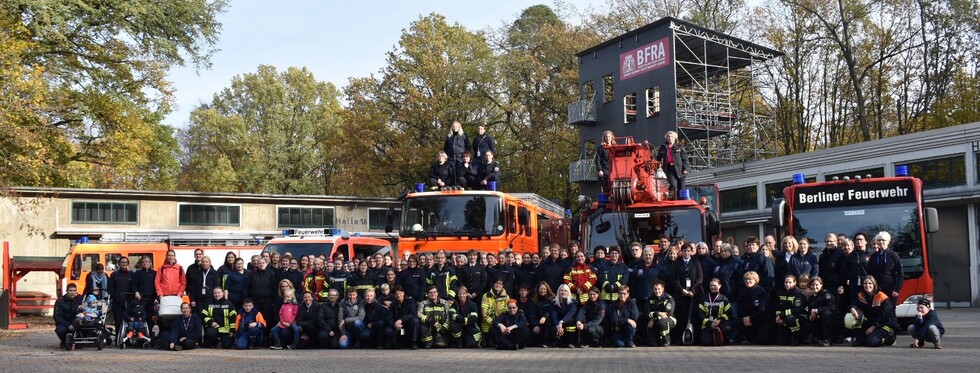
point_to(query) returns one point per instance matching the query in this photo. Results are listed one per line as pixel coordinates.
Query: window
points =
(209, 215)
(83, 264)
(608, 91)
(104, 212)
(306, 217)
(653, 101)
(775, 190)
(588, 90)
(378, 218)
(629, 108)
(134, 260)
(940, 173)
(741, 199)
(511, 219)
(874, 172)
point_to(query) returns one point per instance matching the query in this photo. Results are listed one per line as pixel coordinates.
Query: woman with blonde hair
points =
(287, 316)
(563, 316)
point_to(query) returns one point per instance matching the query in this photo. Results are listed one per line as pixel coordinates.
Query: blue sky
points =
(335, 40)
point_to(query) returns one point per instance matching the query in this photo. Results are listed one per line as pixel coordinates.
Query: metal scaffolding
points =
(720, 113)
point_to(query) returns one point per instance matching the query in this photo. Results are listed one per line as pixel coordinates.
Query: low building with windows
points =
(947, 160)
(47, 221)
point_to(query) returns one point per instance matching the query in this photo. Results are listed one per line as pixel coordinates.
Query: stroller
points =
(91, 329)
(168, 309)
(134, 331)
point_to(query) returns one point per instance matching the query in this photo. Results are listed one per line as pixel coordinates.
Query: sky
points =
(335, 40)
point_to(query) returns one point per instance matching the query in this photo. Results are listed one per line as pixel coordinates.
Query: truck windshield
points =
(454, 215)
(646, 226)
(901, 220)
(298, 249)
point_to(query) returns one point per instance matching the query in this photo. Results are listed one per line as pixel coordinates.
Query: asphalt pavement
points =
(35, 350)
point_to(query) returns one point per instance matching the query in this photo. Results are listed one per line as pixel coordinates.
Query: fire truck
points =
(636, 207)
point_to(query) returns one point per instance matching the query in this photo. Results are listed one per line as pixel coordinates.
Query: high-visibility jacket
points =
(317, 283)
(612, 277)
(444, 280)
(434, 312)
(581, 278)
(493, 305)
(221, 312)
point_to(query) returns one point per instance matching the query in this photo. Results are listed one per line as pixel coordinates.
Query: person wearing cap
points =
(926, 327)
(877, 313)
(509, 330)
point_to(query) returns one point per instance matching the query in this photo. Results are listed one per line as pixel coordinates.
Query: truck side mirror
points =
(932, 220)
(778, 213)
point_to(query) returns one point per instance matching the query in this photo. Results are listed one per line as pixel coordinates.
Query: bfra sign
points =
(644, 59)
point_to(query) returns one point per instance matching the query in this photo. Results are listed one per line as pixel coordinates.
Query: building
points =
(947, 160)
(47, 221)
(671, 75)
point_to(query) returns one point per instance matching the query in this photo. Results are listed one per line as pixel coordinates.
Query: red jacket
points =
(170, 280)
(581, 277)
(287, 313)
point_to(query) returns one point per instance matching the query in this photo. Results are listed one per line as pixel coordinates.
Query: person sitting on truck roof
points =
(489, 172)
(439, 171)
(466, 172)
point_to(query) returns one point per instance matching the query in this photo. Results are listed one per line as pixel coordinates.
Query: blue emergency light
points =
(799, 178)
(83, 239)
(568, 212)
(902, 170)
(602, 199)
(419, 187)
(492, 185)
(685, 193)
(358, 234)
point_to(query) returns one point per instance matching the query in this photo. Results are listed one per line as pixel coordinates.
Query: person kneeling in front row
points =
(926, 327)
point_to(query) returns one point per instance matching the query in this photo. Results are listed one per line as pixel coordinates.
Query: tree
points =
(87, 83)
(395, 123)
(266, 133)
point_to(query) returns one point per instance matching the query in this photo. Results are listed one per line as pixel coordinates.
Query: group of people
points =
(686, 293)
(671, 156)
(465, 165)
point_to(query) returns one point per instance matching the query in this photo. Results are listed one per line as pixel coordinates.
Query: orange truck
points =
(83, 256)
(487, 221)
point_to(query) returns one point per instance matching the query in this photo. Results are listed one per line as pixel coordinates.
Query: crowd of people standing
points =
(683, 293)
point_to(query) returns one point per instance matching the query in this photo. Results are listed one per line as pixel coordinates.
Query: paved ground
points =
(35, 350)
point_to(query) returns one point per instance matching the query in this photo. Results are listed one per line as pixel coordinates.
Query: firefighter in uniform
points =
(715, 312)
(489, 171)
(317, 282)
(790, 313)
(443, 277)
(338, 277)
(824, 316)
(590, 318)
(362, 280)
(580, 278)
(433, 319)
(464, 321)
(661, 312)
(613, 275)
(219, 320)
(494, 304)
(877, 312)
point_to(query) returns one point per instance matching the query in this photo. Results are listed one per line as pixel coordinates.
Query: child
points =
(136, 316)
(249, 326)
(926, 327)
(287, 320)
(92, 309)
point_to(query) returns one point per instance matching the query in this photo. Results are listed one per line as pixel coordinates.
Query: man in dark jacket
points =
(489, 172)
(404, 313)
(379, 329)
(351, 320)
(261, 287)
(926, 326)
(65, 310)
(687, 278)
(310, 322)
